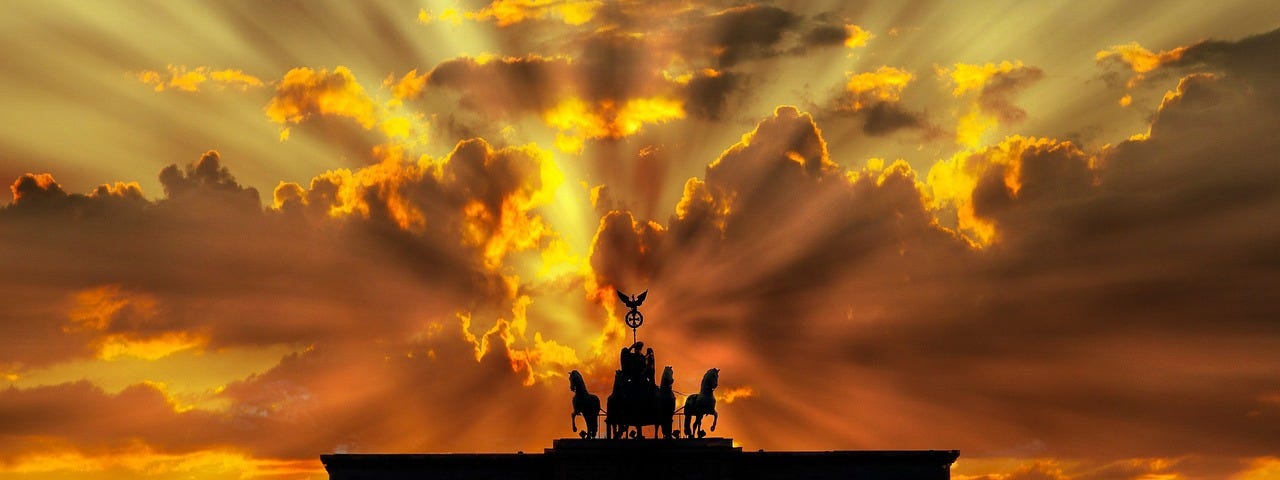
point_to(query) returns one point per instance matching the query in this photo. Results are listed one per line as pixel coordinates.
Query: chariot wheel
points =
(634, 319)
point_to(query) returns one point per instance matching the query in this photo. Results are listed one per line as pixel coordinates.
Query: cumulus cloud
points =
(305, 92)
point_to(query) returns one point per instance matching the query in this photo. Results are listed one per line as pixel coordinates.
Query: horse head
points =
(576, 383)
(668, 377)
(711, 380)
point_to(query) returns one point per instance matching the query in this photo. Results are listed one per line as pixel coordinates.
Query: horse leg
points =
(715, 418)
(573, 420)
(688, 417)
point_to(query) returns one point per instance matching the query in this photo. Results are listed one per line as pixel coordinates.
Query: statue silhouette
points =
(636, 401)
(666, 401)
(702, 403)
(648, 366)
(632, 302)
(585, 404)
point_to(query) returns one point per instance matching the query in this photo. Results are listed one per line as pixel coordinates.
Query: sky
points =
(244, 234)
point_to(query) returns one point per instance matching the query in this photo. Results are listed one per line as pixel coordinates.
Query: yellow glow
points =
(96, 308)
(544, 359)
(885, 84)
(190, 80)
(137, 461)
(509, 12)
(1126, 100)
(731, 395)
(1138, 58)
(856, 36)
(1261, 468)
(972, 127)
(951, 182)
(451, 15)
(118, 346)
(304, 91)
(513, 227)
(409, 86)
(967, 78)
(577, 120)
(557, 261)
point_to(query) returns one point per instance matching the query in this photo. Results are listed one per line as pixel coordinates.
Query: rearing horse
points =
(702, 403)
(585, 404)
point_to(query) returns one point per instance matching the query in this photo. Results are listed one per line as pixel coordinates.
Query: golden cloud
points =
(856, 36)
(972, 78)
(407, 87)
(953, 182)
(510, 12)
(885, 84)
(991, 87)
(1139, 59)
(31, 187)
(578, 120)
(97, 308)
(179, 77)
(117, 318)
(304, 92)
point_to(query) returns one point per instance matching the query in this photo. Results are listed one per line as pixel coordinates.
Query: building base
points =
(647, 459)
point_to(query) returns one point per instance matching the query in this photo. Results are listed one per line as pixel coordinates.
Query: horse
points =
(614, 425)
(585, 404)
(666, 402)
(702, 403)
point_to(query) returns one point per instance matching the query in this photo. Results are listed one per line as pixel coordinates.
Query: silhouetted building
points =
(647, 459)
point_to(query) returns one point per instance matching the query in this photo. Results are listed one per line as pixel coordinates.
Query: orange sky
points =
(245, 234)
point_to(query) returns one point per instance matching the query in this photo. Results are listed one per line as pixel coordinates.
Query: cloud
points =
(192, 80)
(207, 175)
(995, 86)
(304, 92)
(748, 31)
(32, 188)
(875, 98)
(885, 84)
(1246, 55)
(1090, 263)
(504, 13)
(1121, 288)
